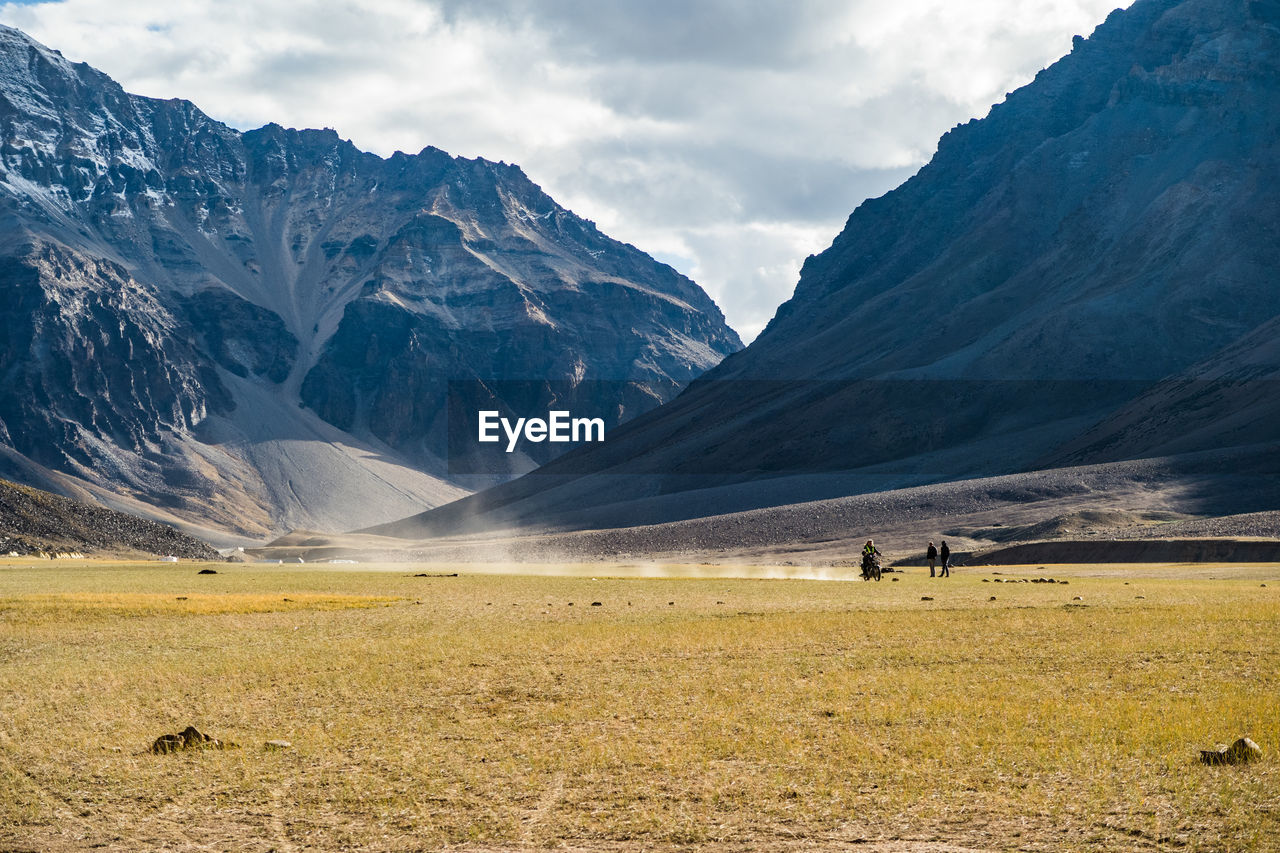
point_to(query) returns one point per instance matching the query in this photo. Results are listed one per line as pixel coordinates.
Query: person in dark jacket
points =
(932, 555)
(945, 553)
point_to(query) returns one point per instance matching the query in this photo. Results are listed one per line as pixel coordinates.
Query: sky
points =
(728, 138)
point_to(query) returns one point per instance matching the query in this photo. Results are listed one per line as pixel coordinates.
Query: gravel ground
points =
(905, 520)
(1246, 525)
(32, 521)
(1138, 500)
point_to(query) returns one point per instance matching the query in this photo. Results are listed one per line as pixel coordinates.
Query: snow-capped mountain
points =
(255, 331)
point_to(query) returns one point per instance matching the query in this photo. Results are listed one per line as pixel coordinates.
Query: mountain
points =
(256, 331)
(1085, 275)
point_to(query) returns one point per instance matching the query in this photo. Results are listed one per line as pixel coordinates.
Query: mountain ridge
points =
(1106, 234)
(300, 306)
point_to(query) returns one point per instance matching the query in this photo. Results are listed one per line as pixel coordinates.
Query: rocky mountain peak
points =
(293, 291)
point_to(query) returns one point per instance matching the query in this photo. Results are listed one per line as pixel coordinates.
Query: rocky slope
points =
(1087, 274)
(36, 522)
(256, 331)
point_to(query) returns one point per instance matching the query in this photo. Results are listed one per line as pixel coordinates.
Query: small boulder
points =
(168, 743)
(1241, 752)
(188, 738)
(207, 572)
(926, 598)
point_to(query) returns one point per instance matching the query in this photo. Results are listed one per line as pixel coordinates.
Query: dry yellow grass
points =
(69, 605)
(507, 711)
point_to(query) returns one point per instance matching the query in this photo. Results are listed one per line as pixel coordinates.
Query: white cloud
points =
(731, 138)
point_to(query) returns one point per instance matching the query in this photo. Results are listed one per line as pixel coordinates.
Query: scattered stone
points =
(600, 604)
(986, 580)
(992, 598)
(1139, 596)
(895, 580)
(425, 575)
(1263, 585)
(188, 738)
(182, 598)
(1063, 583)
(207, 572)
(277, 745)
(719, 602)
(926, 598)
(1241, 752)
(671, 604)
(1077, 598)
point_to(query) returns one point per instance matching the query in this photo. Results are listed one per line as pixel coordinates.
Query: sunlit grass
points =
(510, 710)
(64, 606)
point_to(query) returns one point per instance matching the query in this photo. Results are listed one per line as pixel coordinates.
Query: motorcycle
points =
(871, 567)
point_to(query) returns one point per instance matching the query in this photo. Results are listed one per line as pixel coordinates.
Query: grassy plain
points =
(491, 711)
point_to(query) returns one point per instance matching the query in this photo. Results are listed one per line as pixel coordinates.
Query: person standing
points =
(932, 555)
(945, 553)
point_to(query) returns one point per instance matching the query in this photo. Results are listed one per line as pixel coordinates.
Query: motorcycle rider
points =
(869, 553)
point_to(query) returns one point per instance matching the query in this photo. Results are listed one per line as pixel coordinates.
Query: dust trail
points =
(655, 569)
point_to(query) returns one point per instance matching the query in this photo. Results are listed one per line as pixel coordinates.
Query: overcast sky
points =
(729, 138)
